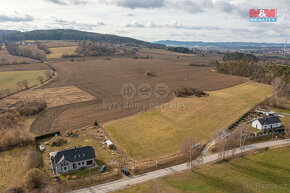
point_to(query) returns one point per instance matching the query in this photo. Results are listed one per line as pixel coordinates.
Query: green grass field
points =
(163, 129)
(268, 171)
(10, 78)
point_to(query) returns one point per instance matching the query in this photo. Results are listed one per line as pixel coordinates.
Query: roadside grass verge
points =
(268, 171)
(162, 130)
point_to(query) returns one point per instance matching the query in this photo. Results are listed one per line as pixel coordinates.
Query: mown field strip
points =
(163, 129)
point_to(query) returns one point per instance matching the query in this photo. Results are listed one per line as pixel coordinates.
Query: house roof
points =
(270, 120)
(75, 154)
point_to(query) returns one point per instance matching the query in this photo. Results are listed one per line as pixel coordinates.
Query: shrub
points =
(9, 119)
(96, 123)
(14, 189)
(14, 139)
(58, 141)
(31, 107)
(33, 178)
(184, 92)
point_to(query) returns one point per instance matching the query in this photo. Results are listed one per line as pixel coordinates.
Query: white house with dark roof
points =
(72, 159)
(268, 123)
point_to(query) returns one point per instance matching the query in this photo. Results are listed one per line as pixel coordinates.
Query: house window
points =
(90, 162)
(64, 168)
(83, 163)
(79, 163)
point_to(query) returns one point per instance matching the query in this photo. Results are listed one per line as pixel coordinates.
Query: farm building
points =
(268, 123)
(72, 159)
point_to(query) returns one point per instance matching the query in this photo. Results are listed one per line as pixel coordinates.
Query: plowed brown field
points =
(104, 78)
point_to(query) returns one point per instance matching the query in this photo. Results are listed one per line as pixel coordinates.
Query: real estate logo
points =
(263, 15)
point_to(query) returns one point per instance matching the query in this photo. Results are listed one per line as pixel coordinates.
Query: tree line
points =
(240, 56)
(90, 48)
(42, 47)
(75, 35)
(254, 71)
(17, 50)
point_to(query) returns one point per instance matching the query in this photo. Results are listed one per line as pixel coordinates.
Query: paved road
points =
(122, 183)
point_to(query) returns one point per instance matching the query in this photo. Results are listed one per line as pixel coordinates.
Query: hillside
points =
(67, 34)
(220, 45)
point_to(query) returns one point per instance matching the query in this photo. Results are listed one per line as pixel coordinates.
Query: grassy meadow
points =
(163, 129)
(59, 51)
(10, 78)
(267, 171)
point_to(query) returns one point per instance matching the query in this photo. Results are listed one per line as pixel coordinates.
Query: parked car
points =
(125, 171)
(103, 169)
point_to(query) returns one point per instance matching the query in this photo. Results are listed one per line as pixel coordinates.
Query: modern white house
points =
(267, 123)
(72, 159)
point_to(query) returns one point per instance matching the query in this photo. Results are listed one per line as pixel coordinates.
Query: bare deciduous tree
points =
(33, 178)
(231, 142)
(7, 91)
(287, 128)
(48, 74)
(20, 85)
(40, 79)
(2, 93)
(189, 150)
(278, 86)
(25, 84)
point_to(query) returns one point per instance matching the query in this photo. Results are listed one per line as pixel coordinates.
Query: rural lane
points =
(126, 182)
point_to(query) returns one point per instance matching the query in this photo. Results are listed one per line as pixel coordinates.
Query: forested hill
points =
(64, 34)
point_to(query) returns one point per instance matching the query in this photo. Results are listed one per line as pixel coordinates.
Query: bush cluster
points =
(30, 107)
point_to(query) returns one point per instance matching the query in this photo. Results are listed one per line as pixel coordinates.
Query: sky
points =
(152, 20)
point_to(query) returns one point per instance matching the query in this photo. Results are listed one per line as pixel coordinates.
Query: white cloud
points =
(132, 4)
(16, 17)
(205, 20)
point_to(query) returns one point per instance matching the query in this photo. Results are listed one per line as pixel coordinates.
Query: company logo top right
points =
(263, 15)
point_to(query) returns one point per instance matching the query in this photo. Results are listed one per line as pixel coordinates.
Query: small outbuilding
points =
(267, 123)
(109, 144)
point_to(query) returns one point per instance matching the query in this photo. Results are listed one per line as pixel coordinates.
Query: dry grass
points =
(163, 129)
(9, 79)
(12, 166)
(59, 51)
(57, 43)
(53, 96)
